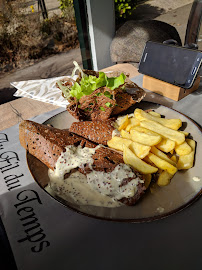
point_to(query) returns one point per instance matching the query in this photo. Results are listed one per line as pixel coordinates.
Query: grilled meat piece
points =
(104, 103)
(47, 143)
(97, 131)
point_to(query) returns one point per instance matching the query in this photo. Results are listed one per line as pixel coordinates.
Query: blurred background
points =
(41, 39)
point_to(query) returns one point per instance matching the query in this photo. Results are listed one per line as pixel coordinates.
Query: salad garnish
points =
(89, 83)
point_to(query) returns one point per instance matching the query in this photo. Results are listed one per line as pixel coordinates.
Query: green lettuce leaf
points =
(115, 82)
(90, 83)
(101, 80)
(76, 91)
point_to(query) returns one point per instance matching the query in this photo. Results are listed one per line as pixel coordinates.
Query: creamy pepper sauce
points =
(96, 188)
(115, 132)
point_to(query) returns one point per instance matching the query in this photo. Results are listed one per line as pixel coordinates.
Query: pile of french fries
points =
(154, 145)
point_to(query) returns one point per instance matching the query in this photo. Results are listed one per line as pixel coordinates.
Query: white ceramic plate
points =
(158, 202)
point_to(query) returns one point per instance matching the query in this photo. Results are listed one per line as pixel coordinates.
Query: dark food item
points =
(132, 200)
(104, 103)
(97, 131)
(47, 143)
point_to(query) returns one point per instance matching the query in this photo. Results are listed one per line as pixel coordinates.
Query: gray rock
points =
(130, 39)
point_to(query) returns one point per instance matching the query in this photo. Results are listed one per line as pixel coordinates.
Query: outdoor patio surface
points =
(62, 64)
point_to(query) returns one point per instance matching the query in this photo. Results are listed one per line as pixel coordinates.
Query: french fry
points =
(144, 138)
(155, 114)
(185, 133)
(118, 142)
(187, 161)
(164, 178)
(131, 159)
(171, 134)
(174, 124)
(162, 164)
(183, 149)
(124, 123)
(147, 181)
(145, 130)
(120, 119)
(132, 122)
(146, 159)
(140, 150)
(174, 158)
(161, 155)
(125, 134)
(166, 145)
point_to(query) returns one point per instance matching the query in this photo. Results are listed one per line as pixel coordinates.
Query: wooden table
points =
(24, 108)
